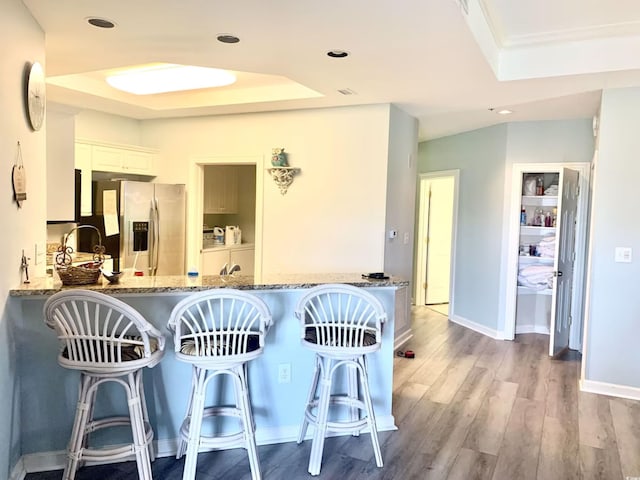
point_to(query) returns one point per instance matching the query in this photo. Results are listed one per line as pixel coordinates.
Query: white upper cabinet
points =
(221, 189)
(121, 158)
(60, 164)
(83, 163)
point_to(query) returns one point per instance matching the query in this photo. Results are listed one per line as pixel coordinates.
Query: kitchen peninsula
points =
(48, 392)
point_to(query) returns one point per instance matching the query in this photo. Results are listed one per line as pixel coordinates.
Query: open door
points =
(563, 271)
(440, 219)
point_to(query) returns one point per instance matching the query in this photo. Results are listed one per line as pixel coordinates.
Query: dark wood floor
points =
(467, 407)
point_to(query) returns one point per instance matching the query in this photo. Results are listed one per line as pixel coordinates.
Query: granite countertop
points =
(181, 283)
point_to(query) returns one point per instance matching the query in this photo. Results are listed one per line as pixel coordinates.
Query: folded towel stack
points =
(536, 277)
(547, 247)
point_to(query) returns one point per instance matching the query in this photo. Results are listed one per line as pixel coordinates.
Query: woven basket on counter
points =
(85, 273)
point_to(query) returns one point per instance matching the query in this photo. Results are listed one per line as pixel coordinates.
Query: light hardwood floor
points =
(467, 408)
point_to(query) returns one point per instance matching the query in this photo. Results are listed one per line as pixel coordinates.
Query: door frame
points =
(513, 222)
(422, 230)
(195, 198)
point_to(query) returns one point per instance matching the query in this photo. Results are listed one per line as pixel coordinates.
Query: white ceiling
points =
(440, 61)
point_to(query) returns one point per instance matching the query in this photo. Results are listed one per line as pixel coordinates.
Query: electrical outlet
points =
(284, 373)
(406, 238)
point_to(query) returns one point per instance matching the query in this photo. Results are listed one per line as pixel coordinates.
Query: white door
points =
(440, 222)
(565, 257)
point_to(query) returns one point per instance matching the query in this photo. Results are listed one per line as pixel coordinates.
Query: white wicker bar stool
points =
(107, 341)
(218, 332)
(342, 324)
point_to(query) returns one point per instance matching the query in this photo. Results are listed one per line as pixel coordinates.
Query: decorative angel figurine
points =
(279, 158)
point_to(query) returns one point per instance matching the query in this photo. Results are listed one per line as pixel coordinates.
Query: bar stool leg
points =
(145, 416)
(79, 427)
(364, 378)
(242, 396)
(310, 399)
(324, 397)
(195, 424)
(137, 426)
(182, 443)
(353, 394)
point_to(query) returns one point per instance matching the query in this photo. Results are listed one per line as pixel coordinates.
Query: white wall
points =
(108, 128)
(332, 218)
(23, 42)
(611, 351)
(401, 192)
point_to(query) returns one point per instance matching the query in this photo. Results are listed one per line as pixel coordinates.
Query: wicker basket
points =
(85, 273)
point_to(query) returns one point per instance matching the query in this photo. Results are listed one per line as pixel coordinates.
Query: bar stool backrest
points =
(220, 324)
(338, 317)
(102, 333)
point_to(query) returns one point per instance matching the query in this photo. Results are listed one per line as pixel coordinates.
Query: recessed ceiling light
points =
(226, 38)
(164, 78)
(337, 53)
(505, 112)
(100, 22)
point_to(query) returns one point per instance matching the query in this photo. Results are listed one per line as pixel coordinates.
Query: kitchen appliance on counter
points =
(150, 220)
(212, 237)
(232, 235)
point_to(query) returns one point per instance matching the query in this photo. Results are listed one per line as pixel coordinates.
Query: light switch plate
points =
(623, 255)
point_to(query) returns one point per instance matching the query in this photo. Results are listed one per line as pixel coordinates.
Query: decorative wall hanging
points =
(19, 179)
(281, 172)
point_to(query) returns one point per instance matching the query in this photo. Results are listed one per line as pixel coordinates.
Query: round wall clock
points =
(35, 96)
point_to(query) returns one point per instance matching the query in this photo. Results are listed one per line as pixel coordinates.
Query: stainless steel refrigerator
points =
(151, 225)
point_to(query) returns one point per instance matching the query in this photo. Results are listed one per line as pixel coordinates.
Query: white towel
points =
(536, 277)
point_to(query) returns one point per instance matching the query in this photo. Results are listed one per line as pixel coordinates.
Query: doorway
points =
(196, 213)
(529, 305)
(437, 220)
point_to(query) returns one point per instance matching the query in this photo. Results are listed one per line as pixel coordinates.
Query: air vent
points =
(346, 91)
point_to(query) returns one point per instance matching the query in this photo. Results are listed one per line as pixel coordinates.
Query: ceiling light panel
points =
(166, 78)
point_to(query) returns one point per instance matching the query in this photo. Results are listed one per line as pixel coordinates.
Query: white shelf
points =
(528, 259)
(540, 200)
(530, 291)
(538, 231)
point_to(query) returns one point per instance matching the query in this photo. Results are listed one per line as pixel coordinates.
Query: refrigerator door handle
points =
(157, 239)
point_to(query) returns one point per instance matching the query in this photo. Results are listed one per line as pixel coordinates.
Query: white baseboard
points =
(56, 460)
(610, 389)
(476, 327)
(18, 472)
(543, 329)
(403, 338)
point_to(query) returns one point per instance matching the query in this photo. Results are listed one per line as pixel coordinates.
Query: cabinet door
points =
(106, 159)
(140, 163)
(213, 261)
(83, 163)
(221, 189)
(245, 258)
